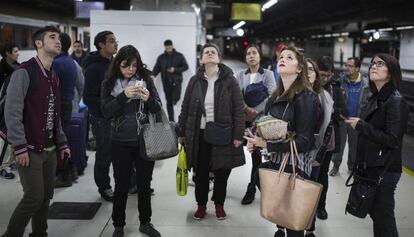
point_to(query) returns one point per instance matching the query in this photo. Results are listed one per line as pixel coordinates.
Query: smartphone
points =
(139, 83)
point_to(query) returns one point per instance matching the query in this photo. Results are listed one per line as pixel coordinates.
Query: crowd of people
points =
(323, 112)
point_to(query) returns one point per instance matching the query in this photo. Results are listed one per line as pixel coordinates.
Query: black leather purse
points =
(362, 194)
(215, 133)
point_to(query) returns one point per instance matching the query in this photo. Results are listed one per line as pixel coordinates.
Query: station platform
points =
(172, 214)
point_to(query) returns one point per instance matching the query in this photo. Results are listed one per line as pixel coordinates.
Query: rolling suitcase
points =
(76, 133)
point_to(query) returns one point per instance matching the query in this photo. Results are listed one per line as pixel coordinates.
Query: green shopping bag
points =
(182, 172)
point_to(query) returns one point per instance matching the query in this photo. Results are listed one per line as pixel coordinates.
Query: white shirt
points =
(209, 101)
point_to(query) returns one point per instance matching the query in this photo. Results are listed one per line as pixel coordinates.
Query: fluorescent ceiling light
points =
(405, 27)
(268, 4)
(386, 29)
(238, 25)
(369, 31)
(345, 33)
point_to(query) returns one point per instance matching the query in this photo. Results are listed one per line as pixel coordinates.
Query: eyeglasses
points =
(112, 41)
(377, 64)
(325, 75)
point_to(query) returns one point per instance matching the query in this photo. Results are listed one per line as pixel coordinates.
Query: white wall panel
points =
(147, 32)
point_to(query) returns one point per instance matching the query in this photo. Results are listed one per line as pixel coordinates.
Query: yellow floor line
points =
(408, 171)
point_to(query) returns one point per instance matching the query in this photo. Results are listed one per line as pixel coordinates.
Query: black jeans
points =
(202, 176)
(256, 162)
(314, 177)
(172, 96)
(101, 128)
(323, 179)
(382, 211)
(124, 156)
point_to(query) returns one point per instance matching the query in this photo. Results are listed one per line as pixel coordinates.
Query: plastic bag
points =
(182, 172)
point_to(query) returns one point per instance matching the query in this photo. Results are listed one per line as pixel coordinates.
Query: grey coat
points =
(263, 75)
(228, 109)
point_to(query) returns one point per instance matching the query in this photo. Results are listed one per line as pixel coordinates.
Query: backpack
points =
(32, 71)
(255, 93)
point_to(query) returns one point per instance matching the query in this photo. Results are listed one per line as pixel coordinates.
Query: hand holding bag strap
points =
(152, 119)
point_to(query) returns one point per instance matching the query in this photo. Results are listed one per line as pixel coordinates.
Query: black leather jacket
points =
(124, 122)
(381, 129)
(301, 116)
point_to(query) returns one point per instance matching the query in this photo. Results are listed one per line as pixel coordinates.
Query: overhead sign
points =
(246, 12)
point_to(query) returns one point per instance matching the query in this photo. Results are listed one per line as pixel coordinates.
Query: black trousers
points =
(172, 96)
(124, 156)
(382, 212)
(323, 179)
(101, 128)
(256, 162)
(202, 176)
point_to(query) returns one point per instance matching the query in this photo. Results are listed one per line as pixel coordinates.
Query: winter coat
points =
(301, 115)
(122, 113)
(95, 67)
(166, 61)
(228, 109)
(381, 129)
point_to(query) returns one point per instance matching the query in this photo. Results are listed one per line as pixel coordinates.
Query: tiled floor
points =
(172, 214)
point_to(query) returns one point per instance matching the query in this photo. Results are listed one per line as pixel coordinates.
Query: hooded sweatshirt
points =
(95, 67)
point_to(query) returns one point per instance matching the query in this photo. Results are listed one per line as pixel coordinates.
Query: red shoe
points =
(200, 213)
(220, 213)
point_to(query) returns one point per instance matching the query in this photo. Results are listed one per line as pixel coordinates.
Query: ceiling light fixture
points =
(404, 28)
(268, 5)
(240, 32)
(376, 35)
(238, 25)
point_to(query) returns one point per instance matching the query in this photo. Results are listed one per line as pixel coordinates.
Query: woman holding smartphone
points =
(128, 96)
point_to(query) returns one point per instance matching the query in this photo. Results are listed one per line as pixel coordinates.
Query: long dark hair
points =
(253, 46)
(128, 53)
(394, 70)
(317, 85)
(301, 82)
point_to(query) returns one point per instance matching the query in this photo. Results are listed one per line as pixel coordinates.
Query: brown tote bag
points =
(287, 199)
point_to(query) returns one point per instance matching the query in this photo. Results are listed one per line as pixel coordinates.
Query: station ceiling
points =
(285, 18)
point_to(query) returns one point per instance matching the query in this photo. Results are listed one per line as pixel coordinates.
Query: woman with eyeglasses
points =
(294, 102)
(257, 84)
(381, 129)
(324, 130)
(212, 97)
(128, 95)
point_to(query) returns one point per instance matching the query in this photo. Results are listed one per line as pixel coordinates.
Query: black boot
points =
(250, 193)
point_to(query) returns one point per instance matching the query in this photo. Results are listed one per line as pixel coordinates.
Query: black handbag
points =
(215, 133)
(362, 194)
